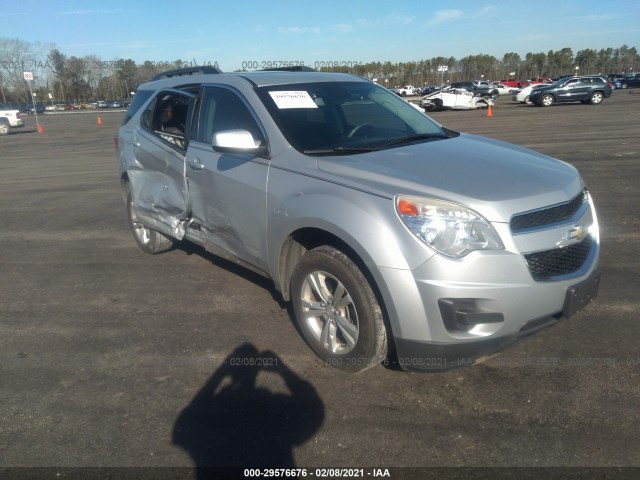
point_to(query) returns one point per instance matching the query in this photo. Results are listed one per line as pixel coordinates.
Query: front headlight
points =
(448, 228)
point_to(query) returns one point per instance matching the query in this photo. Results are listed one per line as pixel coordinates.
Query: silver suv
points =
(389, 233)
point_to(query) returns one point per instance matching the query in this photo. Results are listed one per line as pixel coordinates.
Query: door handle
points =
(195, 163)
(135, 141)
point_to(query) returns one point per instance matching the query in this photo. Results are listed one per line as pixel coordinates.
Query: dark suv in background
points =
(586, 89)
(630, 81)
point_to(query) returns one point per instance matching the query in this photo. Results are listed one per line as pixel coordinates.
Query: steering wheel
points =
(358, 128)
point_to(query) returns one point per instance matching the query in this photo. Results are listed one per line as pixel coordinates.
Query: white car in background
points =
(504, 89)
(522, 95)
(454, 99)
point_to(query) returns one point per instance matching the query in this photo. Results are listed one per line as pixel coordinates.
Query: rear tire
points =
(5, 128)
(337, 311)
(596, 98)
(150, 241)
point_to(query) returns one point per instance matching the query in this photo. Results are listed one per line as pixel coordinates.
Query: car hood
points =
(495, 178)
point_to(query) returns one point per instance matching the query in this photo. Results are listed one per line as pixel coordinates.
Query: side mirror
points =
(237, 141)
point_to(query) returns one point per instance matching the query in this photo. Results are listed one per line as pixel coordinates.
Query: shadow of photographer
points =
(232, 422)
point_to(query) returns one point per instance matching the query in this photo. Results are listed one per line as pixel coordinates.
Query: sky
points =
(249, 33)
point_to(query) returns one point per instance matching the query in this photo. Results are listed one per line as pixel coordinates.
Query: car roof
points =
(257, 78)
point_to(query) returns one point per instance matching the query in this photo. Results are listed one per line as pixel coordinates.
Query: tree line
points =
(60, 78)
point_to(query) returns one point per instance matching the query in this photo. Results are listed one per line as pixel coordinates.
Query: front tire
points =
(337, 311)
(547, 100)
(150, 241)
(429, 107)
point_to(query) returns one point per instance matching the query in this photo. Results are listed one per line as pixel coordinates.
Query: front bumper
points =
(452, 312)
(415, 355)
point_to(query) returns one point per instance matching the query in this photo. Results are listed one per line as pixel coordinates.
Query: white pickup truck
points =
(407, 90)
(9, 119)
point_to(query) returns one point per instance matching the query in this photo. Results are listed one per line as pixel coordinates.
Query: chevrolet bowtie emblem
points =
(577, 233)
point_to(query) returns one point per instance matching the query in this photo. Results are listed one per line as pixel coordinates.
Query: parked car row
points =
(495, 88)
(44, 107)
(591, 89)
(112, 104)
(477, 86)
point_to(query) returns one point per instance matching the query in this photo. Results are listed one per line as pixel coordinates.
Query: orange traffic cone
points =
(489, 114)
(99, 120)
(40, 129)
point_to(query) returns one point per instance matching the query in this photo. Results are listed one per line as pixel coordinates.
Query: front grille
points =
(560, 261)
(548, 216)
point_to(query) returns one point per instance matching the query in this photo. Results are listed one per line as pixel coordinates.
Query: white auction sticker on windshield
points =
(288, 99)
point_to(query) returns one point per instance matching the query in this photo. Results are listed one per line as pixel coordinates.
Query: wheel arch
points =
(367, 229)
(305, 239)
(124, 184)
(540, 101)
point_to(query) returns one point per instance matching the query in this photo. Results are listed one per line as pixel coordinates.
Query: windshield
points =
(345, 117)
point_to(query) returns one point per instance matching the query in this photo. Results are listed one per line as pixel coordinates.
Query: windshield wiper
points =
(373, 148)
(414, 138)
(341, 150)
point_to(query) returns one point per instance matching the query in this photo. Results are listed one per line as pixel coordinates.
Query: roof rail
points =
(294, 68)
(204, 69)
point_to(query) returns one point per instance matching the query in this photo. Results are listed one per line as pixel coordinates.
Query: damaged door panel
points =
(159, 202)
(158, 183)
